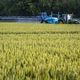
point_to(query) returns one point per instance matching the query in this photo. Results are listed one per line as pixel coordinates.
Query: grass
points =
(31, 51)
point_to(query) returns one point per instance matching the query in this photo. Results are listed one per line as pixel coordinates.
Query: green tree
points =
(33, 7)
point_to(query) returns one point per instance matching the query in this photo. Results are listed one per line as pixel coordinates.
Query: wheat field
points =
(31, 51)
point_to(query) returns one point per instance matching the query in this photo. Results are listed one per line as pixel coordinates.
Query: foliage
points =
(34, 7)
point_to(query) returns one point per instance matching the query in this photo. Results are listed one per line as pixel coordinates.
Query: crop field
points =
(31, 51)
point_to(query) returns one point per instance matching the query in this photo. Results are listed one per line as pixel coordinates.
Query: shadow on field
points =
(46, 32)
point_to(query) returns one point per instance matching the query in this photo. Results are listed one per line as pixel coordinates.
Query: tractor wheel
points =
(61, 22)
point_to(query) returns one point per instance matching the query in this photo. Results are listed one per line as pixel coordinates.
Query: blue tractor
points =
(58, 18)
(49, 19)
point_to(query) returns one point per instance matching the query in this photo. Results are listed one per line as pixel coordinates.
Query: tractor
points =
(57, 18)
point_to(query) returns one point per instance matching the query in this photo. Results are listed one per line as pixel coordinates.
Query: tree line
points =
(34, 7)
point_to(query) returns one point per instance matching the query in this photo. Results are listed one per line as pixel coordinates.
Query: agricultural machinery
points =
(57, 19)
